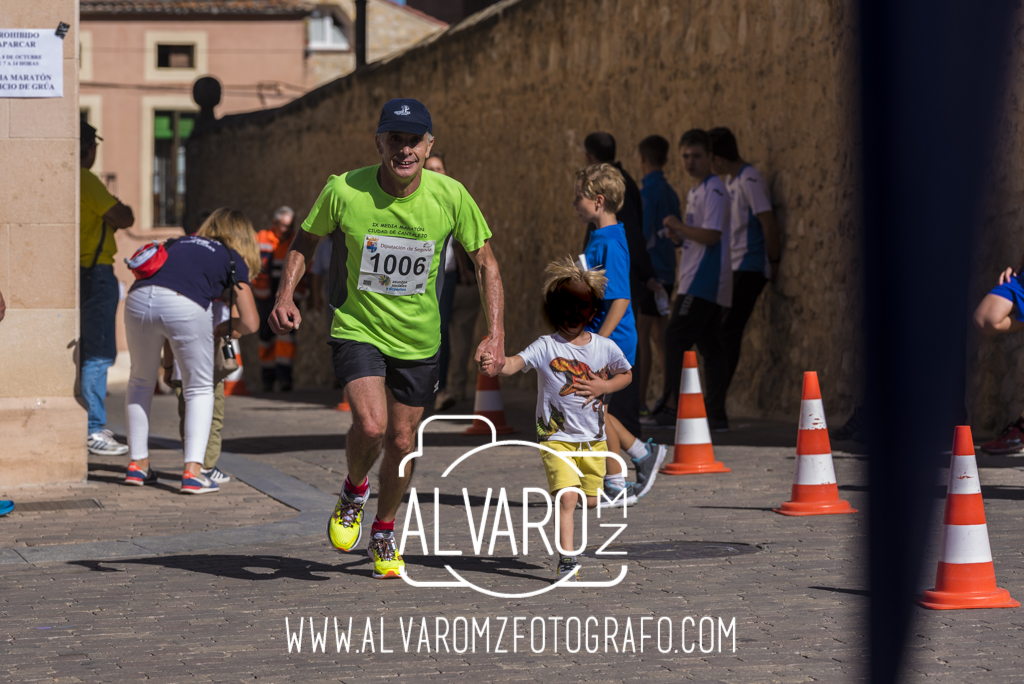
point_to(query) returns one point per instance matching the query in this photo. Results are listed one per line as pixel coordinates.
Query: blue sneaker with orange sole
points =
(137, 477)
(198, 484)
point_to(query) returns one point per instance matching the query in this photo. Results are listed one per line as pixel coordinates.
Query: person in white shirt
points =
(704, 286)
(755, 255)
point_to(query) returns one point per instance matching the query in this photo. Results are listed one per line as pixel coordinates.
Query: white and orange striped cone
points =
(487, 403)
(343, 404)
(966, 576)
(693, 451)
(815, 490)
(234, 384)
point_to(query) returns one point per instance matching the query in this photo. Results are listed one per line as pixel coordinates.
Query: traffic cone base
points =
(962, 578)
(693, 453)
(966, 575)
(815, 491)
(479, 427)
(694, 468)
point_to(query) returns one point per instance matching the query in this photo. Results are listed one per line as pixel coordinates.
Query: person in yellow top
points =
(101, 215)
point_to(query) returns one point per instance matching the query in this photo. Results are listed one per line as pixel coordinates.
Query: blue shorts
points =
(1013, 291)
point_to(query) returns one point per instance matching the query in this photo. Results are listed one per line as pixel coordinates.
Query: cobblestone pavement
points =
(798, 598)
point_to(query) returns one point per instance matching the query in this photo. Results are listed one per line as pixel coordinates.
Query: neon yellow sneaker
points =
(387, 562)
(345, 528)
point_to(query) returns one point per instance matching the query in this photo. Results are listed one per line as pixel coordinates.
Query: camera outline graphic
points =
(459, 580)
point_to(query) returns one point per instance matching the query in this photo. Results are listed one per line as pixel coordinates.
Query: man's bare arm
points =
(286, 316)
(493, 296)
(772, 242)
(119, 216)
(702, 235)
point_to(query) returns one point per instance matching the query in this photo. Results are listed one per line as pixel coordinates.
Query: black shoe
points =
(665, 417)
(718, 424)
(286, 387)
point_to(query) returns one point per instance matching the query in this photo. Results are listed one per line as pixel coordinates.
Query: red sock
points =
(381, 526)
(357, 491)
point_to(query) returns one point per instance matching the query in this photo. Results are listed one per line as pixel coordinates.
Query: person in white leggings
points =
(174, 305)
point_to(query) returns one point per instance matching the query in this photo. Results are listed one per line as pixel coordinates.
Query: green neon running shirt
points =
(384, 284)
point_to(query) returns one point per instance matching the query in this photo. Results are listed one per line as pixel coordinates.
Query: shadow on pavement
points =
(294, 443)
(837, 590)
(264, 567)
(118, 476)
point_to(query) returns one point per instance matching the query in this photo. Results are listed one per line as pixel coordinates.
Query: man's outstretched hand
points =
(490, 356)
(285, 317)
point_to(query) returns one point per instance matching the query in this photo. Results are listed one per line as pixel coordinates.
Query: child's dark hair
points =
(723, 144)
(654, 150)
(696, 137)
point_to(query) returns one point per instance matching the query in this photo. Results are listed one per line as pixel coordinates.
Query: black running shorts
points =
(413, 383)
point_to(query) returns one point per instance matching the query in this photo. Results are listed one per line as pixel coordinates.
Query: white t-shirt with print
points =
(561, 415)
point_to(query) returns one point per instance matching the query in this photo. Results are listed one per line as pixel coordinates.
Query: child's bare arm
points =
(513, 364)
(615, 313)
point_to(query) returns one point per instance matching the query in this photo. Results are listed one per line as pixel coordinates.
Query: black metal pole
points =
(360, 33)
(932, 85)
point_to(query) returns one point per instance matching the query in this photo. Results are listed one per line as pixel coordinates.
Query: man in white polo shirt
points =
(705, 274)
(755, 255)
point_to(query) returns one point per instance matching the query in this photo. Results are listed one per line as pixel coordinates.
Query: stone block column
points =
(42, 425)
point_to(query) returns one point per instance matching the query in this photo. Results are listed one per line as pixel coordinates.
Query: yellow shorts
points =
(560, 475)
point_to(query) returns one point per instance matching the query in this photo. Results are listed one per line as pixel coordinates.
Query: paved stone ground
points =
(799, 602)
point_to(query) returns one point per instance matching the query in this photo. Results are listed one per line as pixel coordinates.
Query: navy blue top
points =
(660, 200)
(198, 268)
(607, 249)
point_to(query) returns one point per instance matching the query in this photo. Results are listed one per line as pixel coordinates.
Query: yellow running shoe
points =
(345, 528)
(387, 562)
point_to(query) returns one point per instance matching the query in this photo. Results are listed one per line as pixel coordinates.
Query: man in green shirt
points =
(390, 224)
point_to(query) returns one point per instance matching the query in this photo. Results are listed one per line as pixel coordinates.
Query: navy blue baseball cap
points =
(406, 115)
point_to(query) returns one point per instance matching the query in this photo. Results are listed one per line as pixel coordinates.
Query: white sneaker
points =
(103, 444)
(216, 474)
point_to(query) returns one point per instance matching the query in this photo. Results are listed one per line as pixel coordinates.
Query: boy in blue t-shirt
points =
(599, 194)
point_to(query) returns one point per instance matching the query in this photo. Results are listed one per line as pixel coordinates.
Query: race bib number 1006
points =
(395, 266)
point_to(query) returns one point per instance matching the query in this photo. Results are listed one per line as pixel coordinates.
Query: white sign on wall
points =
(31, 63)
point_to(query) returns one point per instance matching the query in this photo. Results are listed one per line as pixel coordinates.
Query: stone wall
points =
(515, 89)
(42, 425)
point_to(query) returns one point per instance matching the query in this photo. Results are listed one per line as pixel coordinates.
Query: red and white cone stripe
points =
(813, 451)
(965, 576)
(815, 490)
(693, 452)
(965, 530)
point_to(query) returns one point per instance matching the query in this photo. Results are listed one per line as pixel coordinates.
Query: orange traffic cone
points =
(234, 384)
(487, 403)
(815, 491)
(693, 453)
(966, 577)
(343, 405)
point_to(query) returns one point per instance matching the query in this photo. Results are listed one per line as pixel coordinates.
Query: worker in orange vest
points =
(277, 353)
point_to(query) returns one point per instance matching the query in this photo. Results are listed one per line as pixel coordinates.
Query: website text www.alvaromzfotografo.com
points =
(513, 634)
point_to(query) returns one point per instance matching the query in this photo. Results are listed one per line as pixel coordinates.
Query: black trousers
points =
(688, 324)
(746, 288)
(625, 405)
